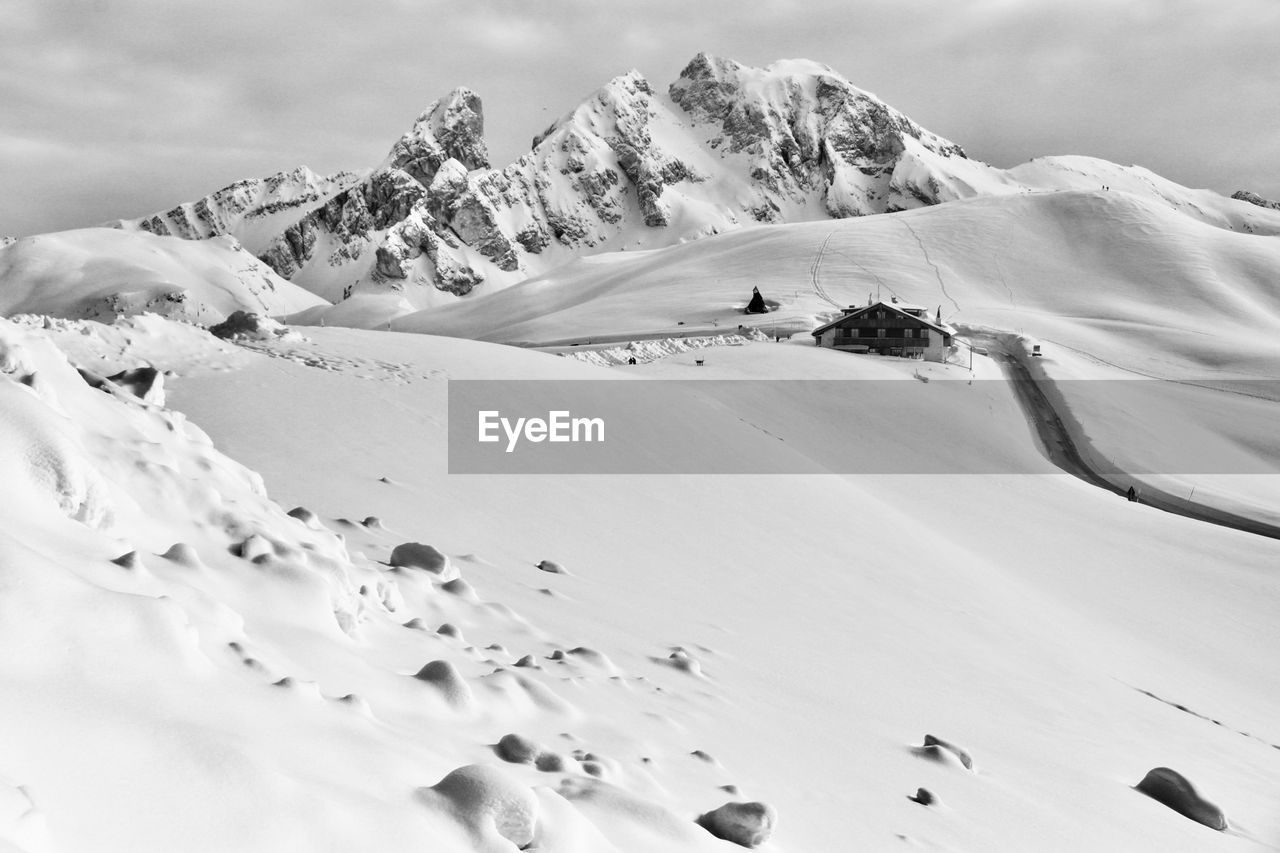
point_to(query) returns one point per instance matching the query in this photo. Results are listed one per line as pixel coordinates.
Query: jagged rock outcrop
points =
(1254, 198)
(349, 221)
(246, 209)
(452, 129)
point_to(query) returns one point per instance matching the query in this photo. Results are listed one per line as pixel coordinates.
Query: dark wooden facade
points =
(887, 329)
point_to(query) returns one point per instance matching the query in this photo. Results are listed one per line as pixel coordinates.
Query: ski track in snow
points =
(1184, 709)
(364, 368)
(937, 272)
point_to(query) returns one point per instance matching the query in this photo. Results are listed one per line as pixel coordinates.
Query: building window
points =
(908, 333)
(879, 333)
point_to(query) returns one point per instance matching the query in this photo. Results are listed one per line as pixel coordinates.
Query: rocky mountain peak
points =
(601, 108)
(1254, 198)
(451, 128)
(804, 127)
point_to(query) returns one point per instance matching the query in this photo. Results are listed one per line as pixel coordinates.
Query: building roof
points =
(901, 308)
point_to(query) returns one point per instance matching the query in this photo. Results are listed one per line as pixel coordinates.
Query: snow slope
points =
(1110, 272)
(1111, 285)
(793, 636)
(873, 610)
(102, 273)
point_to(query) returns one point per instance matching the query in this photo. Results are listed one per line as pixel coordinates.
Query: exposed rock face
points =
(1254, 198)
(449, 129)
(727, 145)
(349, 222)
(246, 207)
(804, 130)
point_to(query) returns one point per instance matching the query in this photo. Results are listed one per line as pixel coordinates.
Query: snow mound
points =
(23, 826)
(490, 803)
(44, 448)
(944, 752)
(517, 749)
(101, 273)
(448, 682)
(139, 341)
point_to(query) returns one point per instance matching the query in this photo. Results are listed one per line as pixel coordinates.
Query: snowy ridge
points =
(254, 210)
(105, 273)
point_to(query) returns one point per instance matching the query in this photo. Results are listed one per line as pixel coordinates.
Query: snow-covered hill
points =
(172, 637)
(1108, 271)
(874, 609)
(104, 273)
(1113, 285)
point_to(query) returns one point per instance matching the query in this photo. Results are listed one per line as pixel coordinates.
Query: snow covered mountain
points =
(727, 145)
(724, 147)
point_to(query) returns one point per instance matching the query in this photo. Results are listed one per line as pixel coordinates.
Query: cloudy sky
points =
(113, 108)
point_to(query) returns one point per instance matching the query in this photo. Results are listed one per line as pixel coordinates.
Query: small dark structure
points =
(756, 305)
(1132, 494)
